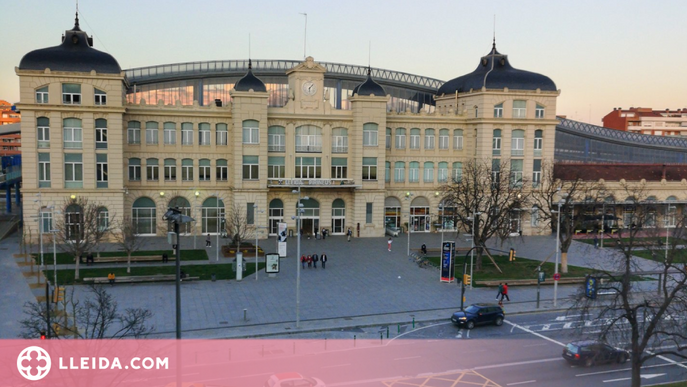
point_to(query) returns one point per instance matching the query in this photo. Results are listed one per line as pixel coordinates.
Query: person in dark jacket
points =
(315, 258)
(323, 258)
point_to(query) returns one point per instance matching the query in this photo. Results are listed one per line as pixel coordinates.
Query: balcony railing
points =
(340, 149)
(276, 148)
(309, 148)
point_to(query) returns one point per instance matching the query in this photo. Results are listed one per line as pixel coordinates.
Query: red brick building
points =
(648, 121)
(10, 144)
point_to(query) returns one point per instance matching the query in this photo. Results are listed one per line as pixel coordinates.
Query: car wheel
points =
(622, 358)
(470, 324)
(498, 321)
(589, 362)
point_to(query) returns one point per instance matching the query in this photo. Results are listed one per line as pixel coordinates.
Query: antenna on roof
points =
(369, 53)
(249, 45)
(305, 34)
(76, 20)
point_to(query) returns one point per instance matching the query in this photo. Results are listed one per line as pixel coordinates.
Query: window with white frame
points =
(516, 173)
(414, 139)
(496, 143)
(103, 219)
(498, 110)
(538, 142)
(152, 170)
(101, 172)
(170, 170)
(339, 168)
(495, 171)
(414, 172)
(369, 168)
(133, 132)
(370, 134)
(517, 143)
(442, 173)
(46, 221)
(73, 134)
(458, 139)
(534, 217)
(134, 169)
(457, 174)
(101, 133)
(221, 134)
(400, 138)
(186, 133)
(536, 173)
(251, 165)
(308, 139)
(276, 139)
(670, 212)
(71, 94)
(73, 170)
(339, 140)
(539, 111)
(42, 95)
(152, 131)
(43, 134)
(204, 170)
(388, 138)
(251, 133)
(144, 216)
(222, 170)
(308, 168)
(73, 222)
(399, 172)
(430, 139)
(44, 170)
(387, 171)
(187, 170)
(170, 133)
(204, 133)
(276, 167)
(519, 109)
(100, 97)
(443, 139)
(428, 174)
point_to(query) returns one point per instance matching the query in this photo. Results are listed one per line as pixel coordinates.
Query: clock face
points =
(309, 88)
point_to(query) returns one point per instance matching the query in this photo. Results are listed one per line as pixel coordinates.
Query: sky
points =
(600, 54)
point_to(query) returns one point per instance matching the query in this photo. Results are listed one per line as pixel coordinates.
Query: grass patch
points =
(677, 384)
(222, 272)
(66, 258)
(610, 241)
(679, 255)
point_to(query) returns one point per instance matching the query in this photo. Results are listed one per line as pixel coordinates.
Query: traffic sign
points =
(556, 276)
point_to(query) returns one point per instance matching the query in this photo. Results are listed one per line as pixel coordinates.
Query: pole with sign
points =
(541, 277)
(447, 261)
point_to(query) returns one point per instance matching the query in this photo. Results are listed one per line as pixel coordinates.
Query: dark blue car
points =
(479, 314)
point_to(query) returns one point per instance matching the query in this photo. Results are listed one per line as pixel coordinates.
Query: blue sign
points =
(590, 287)
(447, 265)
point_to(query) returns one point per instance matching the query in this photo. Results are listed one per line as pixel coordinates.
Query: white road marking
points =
(408, 358)
(415, 330)
(535, 333)
(649, 376)
(338, 365)
(668, 360)
(567, 325)
(516, 363)
(525, 382)
(546, 327)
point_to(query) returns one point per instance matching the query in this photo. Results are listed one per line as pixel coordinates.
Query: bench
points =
(458, 250)
(533, 281)
(139, 278)
(134, 258)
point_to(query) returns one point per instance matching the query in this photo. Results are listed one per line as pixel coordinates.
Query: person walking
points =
(323, 258)
(309, 260)
(349, 233)
(500, 293)
(208, 241)
(504, 293)
(324, 234)
(315, 258)
(303, 260)
(596, 241)
(388, 243)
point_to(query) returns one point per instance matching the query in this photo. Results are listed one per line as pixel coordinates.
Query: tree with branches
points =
(652, 321)
(128, 238)
(98, 317)
(574, 194)
(494, 193)
(237, 226)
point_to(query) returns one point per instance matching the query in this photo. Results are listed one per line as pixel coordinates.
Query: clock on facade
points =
(309, 88)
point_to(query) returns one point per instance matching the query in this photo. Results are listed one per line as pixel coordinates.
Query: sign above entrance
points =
(320, 183)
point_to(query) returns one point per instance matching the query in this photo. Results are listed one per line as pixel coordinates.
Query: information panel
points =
(281, 239)
(447, 261)
(272, 262)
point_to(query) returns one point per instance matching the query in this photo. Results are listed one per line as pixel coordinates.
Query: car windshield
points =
(472, 309)
(572, 348)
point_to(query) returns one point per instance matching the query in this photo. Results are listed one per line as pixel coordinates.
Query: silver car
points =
(392, 231)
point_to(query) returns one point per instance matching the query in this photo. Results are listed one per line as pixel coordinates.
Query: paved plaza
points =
(363, 284)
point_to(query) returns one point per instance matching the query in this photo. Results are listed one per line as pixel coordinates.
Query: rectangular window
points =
(538, 142)
(369, 168)
(250, 213)
(517, 146)
(370, 135)
(152, 170)
(43, 135)
(458, 141)
(44, 170)
(186, 133)
(539, 112)
(251, 134)
(187, 170)
(222, 170)
(204, 133)
(221, 134)
(516, 173)
(388, 138)
(42, 95)
(134, 133)
(339, 168)
(100, 97)
(170, 170)
(308, 168)
(430, 139)
(400, 172)
(340, 141)
(276, 168)
(498, 110)
(135, 169)
(368, 213)
(536, 173)
(414, 141)
(308, 139)
(73, 170)
(170, 133)
(276, 140)
(204, 170)
(519, 109)
(46, 223)
(71, 94)
(152, 133)
(100, 134)
(251, 167)
(73, 135)
(101, 170)
(496, 146)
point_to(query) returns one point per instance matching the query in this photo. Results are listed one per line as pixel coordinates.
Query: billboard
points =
(281, 239)
(447, 261)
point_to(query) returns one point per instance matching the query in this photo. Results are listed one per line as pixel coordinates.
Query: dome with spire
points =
(369, 87)
(495, 72)
(250, 81)
(74, 54)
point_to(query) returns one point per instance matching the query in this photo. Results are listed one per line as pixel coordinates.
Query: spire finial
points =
(250, 64)
(76, 19)
(369, 71)
(493, 45)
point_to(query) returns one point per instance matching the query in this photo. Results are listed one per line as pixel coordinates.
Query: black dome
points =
(495, 72)
(250, 81)
(74, 54)
(369, 87)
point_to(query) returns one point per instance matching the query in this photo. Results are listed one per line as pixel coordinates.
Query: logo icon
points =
(33, 363)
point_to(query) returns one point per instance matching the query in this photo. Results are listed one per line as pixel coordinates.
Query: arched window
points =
(430, 139)
(133, 132)
(204, 133)
(144, 216)
(442, 175)
(338, 216)
(276, 139)
(538, 142)
(134, 169)
(251, 133)
(187, 170)
(152, 130)
(339, 140)
(443, 139)
(498, 110)
(73, 221)
(428, 175)
(457, 174)
(414, 172)
(370, 134)
(414, 138)
(387, 171)
(186, 133)
(400, 172)
(222, 170)
(213, 213)
(204, 170)
(183, 205)
(400, 138)
(152, 170)
(276, 215)
(170, 170)
(517, 143)
(221, 133)
(458, 139)
(170, 133)
(496, 143)
(308, 138)
(539, 112)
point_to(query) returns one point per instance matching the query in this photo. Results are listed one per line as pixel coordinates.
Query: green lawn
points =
(607, 240)
(222, 271)
(679, 256)
(65, 258)
(678, 384)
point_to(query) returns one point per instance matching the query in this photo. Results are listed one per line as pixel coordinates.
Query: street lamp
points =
(299, 211)
(174, 215)
(410, 220)
(218, 198)
(558, 246)
(195, 205)
(474, 221)
(255, 220)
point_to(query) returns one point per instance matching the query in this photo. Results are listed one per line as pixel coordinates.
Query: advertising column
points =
(447, 261)
(281, 239)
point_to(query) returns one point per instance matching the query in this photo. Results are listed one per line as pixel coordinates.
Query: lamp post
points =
(299, 211)
(40, 227)
(472, 244)
(255, 220)
(195, 205)
(410, 220)
(558, 246)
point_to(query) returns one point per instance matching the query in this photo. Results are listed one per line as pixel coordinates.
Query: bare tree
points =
(128, 238)
(574, 194)
(77, 231)
(98, 317)
(491, 191)
(237, 225)
(651, 321)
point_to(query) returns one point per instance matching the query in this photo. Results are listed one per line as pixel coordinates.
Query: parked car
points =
(593, 352)
(292, 379)
(392, 231)
(479, 314)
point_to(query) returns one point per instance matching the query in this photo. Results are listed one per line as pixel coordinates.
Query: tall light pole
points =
(603, 222)
(195, 206)
(299, 211)
(174, 215)
(558, 251)
(218, 198)
(40, 228)
(255, 220)
(472, 244)
(410, 220)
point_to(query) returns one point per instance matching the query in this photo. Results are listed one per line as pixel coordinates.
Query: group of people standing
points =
(312, 260)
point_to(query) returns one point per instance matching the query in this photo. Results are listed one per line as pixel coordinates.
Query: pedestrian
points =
(315, 258)
(165, 258)
(309, 260)
(111, 278)
(505, 292)
(499, 294)
(208, 241)
(324, 234)
(323, 258)
(89, 258)
(388, 243)
(303, 260)
(349, 233)
(423, 248)
(596, 241)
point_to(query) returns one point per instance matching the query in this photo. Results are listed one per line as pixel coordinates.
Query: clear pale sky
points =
(600, 54)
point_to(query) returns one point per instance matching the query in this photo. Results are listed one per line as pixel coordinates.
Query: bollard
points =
(387, 331)
(399, 329)
(413, 322)
(353, 340)
(245, 315)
